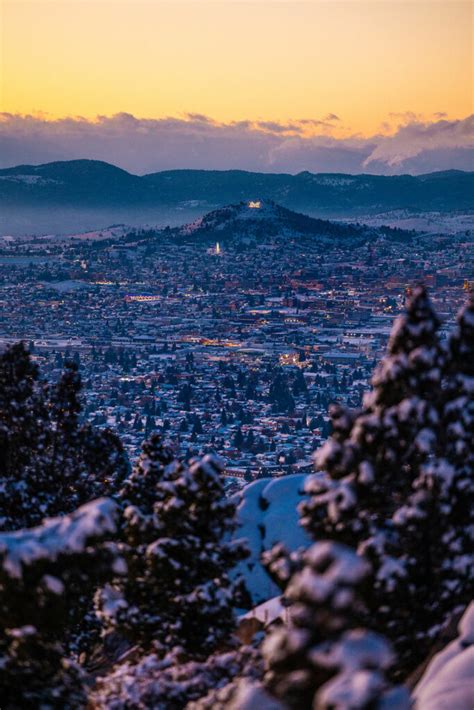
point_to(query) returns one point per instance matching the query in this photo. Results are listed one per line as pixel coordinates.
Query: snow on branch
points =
(56, 537)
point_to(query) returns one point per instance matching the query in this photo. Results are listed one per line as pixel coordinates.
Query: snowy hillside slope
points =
(263, 219)
(267, 514)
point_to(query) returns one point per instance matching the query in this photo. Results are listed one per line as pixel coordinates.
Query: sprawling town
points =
(232, 346)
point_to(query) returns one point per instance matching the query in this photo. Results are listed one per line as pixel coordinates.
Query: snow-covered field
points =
(431, 222)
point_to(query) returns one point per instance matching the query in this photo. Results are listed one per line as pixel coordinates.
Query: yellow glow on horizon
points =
(257, 60)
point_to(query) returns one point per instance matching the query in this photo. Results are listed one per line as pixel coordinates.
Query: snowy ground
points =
(267, 514)
(431, 222)
(448, 682)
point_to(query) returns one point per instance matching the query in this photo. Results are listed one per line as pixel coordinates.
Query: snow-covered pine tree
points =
(458, 440)
(67, 469)
(322, 657)
(374, 455)
(84, 463)
(433, 573)
(87, 461)
(373, 460)
(177, 523)
(24, 441)
(105, 459)
(42, 572)
(172, 682)
(49, 462)
(458, 418)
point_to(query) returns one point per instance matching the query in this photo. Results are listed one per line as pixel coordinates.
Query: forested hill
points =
(92, 183)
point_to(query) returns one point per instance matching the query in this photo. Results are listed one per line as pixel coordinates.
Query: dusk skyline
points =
(382, 87)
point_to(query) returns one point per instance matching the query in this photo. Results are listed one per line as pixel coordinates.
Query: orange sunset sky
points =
(290, 85)
(361, 60)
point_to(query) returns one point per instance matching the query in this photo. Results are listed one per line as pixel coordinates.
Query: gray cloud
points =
(198, 141)
(275, 127)
(416, 138)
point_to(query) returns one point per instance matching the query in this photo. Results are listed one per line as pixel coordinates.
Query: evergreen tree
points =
(176, 521)
(458, 442)
(173, 682)
(42, 572)
(374, 461)
(149, 425)
(432, 563)
(105, 459)
(458, 400)
(238, 439)
(66, 461)
(84, 462)
(49, 462)
(251, 389)
(323, 657)
(24, 438)
(280, 395)
(374, 456)
(299, 384)
(197, 428)
(250, 440)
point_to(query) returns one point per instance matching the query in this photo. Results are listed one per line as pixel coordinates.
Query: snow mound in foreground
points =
(448, 683)
(268, 514)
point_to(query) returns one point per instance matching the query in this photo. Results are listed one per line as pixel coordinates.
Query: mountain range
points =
(80, 186)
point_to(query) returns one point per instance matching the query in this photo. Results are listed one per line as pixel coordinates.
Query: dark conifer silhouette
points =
(25, 437)
(177, 521)
(43, 571)
(50, 463)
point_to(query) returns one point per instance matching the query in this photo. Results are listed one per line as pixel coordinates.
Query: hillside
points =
(111, 194)
(322, 193)
(259, 220)
(75, 183)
